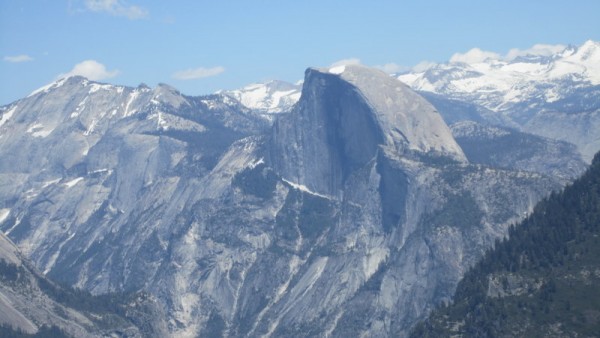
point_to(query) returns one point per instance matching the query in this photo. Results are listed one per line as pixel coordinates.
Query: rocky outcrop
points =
(344, 116)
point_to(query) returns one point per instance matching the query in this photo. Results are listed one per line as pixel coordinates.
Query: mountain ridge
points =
(553, 94)
(184, 200)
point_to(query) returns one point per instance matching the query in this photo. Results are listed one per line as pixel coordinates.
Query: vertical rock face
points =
(353, 214)
(344, 116)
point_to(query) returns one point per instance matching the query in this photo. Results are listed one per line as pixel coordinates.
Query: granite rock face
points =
(345, 115)
(353, 214)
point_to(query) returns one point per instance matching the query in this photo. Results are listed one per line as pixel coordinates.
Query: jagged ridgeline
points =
(354, 213)
(543, 281)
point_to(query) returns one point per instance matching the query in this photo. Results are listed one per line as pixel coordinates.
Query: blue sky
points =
(202, 46)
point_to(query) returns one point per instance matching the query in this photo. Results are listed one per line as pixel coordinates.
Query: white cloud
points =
(18, 58)
(475, 55)
(92, 70)
(538, 50)
(346, 62)
(423, 66)
(391, 68)
(198, 73)
(116, 8)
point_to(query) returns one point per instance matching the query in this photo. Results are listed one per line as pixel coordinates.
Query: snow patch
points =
(49, 86)
(73, 182)
(97, 86)
(49, 183)
(337, 70)
(305, 189)
(4, 214)
(37, 130)
(80, 108)
(132, 98)
(7, 115)
(253, 165)
(98, 171)
(17, 222)
(42, 133)
(91, 127)
(54, 257)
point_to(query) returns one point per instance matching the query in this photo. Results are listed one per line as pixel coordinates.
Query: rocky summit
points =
(352, 214)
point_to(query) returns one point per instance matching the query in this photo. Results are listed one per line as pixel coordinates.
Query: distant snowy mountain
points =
(267, 98)
(554, 94)
(550, 91)
(499, 84)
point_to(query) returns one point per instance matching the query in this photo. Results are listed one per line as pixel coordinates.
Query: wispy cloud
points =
(198, 73)
(423, 66)
(92, 70)
(391, 68)
(116, 8)
(474, 55)
(538, 50)
(18, 58)
(346, 62)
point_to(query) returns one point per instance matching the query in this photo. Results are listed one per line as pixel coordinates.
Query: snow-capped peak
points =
(51, 85)
(267, 98)
(588, 53)
(498, 83)
(337, 69)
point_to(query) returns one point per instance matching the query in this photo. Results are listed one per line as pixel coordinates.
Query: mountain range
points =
(349, 208)
(550, 92)
(554, 95)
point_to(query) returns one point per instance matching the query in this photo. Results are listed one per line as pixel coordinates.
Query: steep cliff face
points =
(345, 114)
(352, 215)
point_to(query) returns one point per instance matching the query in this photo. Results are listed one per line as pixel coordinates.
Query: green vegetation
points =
(9, 272)
(259, 181)
(543, 281)
(109, 310)
(460, 211)
(84, 301)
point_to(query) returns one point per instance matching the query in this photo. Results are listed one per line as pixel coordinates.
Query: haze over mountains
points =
(350, 209)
